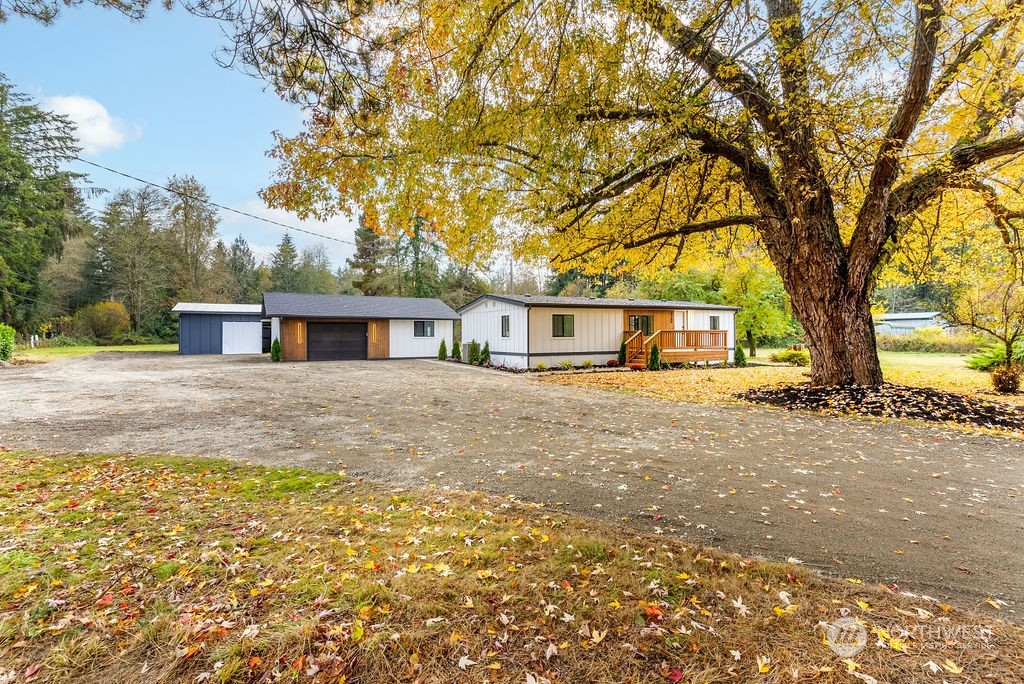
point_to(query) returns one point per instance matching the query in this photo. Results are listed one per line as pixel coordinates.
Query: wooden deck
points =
(677, 346)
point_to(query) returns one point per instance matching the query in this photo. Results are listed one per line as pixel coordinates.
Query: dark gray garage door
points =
(335, 341)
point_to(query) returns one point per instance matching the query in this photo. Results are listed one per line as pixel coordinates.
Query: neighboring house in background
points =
(525, 330)
(219, 328)
(906, 323)
(337, 327)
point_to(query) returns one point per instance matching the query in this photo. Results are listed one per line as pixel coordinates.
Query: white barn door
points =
(244, 337)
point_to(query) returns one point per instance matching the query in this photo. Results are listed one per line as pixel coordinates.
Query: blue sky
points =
(152, 103)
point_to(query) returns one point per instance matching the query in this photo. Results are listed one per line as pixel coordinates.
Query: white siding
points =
(700, 319)
(405, 345)
(597, 336)
(482, 323)
(275, 329)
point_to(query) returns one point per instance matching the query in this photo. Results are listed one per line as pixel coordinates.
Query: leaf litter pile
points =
(892, 401)
(163, 569)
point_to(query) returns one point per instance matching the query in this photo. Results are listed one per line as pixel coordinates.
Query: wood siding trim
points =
(293, 339)
(379, 342)
(662, 318)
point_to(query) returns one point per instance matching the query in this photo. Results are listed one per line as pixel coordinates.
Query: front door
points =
(641, 322)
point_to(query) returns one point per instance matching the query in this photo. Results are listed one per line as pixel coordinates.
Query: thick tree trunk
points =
(860, 334)
(840, 334)
(835, 315)
(751, 344)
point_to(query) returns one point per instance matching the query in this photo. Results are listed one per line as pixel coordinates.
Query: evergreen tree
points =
(371, 267)
(284, 266)
(739, 358)
(39, 205)
(244, 272)
(654, 358)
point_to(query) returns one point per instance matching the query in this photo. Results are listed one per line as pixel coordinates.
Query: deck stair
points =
(677, 346)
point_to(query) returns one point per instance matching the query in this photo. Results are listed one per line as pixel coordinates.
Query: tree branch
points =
(968, 51)
(914, 194)
(692, 228)
(618, 183)
(724, 70)
(870, 234)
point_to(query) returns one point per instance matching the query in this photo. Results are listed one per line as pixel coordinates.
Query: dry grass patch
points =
(125, 568)
(942, 372)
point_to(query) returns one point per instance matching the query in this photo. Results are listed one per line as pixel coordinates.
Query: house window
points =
(506, 329)
(714, 323)
(561, 325)
(423, 328)
(643, 323)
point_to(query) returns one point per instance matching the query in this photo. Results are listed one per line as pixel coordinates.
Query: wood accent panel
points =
(662, 318)
(293, 339)
(379, 343)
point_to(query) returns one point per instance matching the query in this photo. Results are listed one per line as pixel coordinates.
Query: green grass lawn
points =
(170, 569)
(49, 353)
(901, 361)
(920, 361)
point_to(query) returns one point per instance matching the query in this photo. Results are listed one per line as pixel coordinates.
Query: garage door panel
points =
(241, 337)
(335, 341)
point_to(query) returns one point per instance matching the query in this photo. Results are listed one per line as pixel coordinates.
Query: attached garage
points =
(340, 328)
(219, 328)
(336, 341)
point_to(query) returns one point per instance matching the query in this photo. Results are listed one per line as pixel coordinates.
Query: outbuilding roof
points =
(912, 316)
(207, 308)
(596, 302)
(291, 305)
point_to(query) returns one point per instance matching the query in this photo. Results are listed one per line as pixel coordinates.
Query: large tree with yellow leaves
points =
(620, 133)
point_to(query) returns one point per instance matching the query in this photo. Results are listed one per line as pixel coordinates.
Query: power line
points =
(214, 204)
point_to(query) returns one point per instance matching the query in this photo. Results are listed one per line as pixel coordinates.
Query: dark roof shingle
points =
(291, 305)
(599, 302)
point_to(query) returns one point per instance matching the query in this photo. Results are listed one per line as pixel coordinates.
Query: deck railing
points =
(687, 339)
(634, 345)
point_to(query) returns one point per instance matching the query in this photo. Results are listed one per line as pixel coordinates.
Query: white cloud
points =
(98, 131)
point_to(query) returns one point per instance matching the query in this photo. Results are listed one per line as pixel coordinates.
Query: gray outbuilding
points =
(219, 328)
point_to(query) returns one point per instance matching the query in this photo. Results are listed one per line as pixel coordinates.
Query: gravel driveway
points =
(930, 509)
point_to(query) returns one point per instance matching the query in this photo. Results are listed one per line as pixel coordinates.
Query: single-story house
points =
(219, 328)
(906, 323)
(336, 327)
(526, 330)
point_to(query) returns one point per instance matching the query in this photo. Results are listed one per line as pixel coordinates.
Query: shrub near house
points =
(6, 342)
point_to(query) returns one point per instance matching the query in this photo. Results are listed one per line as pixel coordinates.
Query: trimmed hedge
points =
(794, 357)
